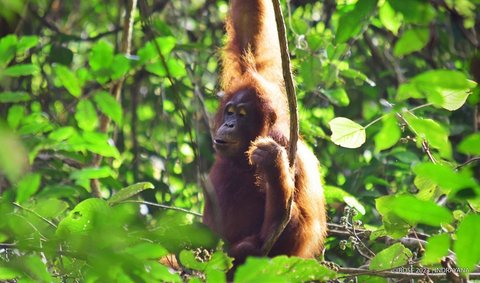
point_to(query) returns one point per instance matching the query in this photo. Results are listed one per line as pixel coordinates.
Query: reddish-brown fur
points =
(252, 185)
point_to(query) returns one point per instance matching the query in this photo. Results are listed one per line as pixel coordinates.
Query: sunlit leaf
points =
(101, 55)
(86, 115)
(129, 191)
(68, 79)
(347, 133)
(21, 70)
(337, 96)
(8, 46)
(437, 247)
(351, 23)
(83, 217)
(470, 145)
(389, 134)
(391, 257)
(415, 211)
(109, 106)
(412, 40)
(26, 42)
(14, 96)
(28, 186)
(389, 18)
(337, 194)
(468, 233)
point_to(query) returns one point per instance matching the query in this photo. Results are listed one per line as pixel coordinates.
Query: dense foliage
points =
(105, 139)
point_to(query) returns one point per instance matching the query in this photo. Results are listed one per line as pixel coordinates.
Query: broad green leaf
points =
(432, 132)
(282, 269)
(391, 257)
(68, 79)
(15, 115)
(333, 194)
(415, 211)
(357, 75)
(146, 251)
(120, 66)
(62, 134)
(21, 70)
(176, 68)
(455, 184)
(394, 226)
(468, 233)
(412, 40)
(470, 144)
(14, 96)
(389, 18)
(109, 106)
(149, 51)
(129, 191)
(453, 99)
(337, 96)
(86, 115)
(437, 247)
(49, 208)
(28, 186)
(26, 42)
(83, 217)
(347, 133)
(7, 274)
(414, 11)
(101, 55)
(351, 23)
(444, 79)
(8, 46)
(13, 156)
(389, 134)
(426, 187)
(99, 143)
(92, 173)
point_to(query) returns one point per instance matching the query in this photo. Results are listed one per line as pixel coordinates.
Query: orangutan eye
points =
(242, 112)
(230, 110)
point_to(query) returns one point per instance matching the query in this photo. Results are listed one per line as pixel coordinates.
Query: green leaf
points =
(129, 191)
(101, 56)
(28, 186)
(83, 217)
(333, 194)
(437, 247)
(414, 11)
(92, 173)
(68, 79)
(109, 106)
(337, 96)
(389, 134)
(15, 115)
(391, 257)
(146, 251)
(351, 23)
(415, 211)
(21, 70)
(445, 79)
(432, 132)
(149, 51)
(412, 40)
(61, 55)
(8, 274)
(99, 143)
(468, 233)
(282, 269)
(470, 144)
(86, 115)
(27, 42)
(8, 46)
(347, 133)
(14, 96)
(390, 19)
(120, 66)
(453, 99)
(13, 156)
(62, 134)
(36, 269)
(450, 181)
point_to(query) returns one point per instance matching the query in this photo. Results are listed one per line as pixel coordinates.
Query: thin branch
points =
(117, 86)
(474, 159)
(163, 206)
(292, 104)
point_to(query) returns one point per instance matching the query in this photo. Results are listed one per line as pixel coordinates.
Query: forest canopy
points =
(106, 115)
